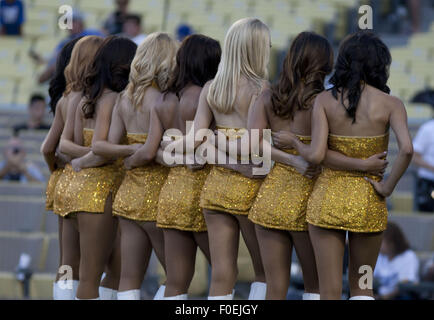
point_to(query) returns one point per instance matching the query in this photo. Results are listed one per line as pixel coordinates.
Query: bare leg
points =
(329, 248)
(180, 249)
(276, 249)
(71, 246)
(363, 250)
(249, 234)
(113, 268)
(201, 239)
(96, 242)
(60, 224)
(136, 251)
(156, 237)
(306, 257)
(224, 235)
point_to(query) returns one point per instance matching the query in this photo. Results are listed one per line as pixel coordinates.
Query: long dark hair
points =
(363, 59)
(197, 61)
(306, 64)
(396, 238)
(110, 69)
(58, 82)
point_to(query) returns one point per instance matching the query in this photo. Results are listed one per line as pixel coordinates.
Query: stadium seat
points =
(21, 213)
(11, 188)
(12, 245)
(51, 263)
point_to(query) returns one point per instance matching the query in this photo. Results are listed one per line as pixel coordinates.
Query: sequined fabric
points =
(227, 190)
(51, 185)
(344, 199)
(178, 207)
(137, 197)
(281, 202)
(88, 189)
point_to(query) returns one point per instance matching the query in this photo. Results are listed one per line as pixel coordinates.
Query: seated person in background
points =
(396, 264)
(11, 17)
(183, 31)
(78, 30)
(428, 272)
(115, 21)
(133, 28)
(15, 167)
(423, 145)
(36, 108)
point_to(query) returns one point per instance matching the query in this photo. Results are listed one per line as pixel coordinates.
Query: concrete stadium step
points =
(41, 286)
(16, 188)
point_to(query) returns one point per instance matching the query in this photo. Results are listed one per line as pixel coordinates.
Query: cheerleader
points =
(279, 210)
(90, 190)
(135, 120)
(227, 195)
(55, 160)
(353, 118)
(179, 213)
(80, 59)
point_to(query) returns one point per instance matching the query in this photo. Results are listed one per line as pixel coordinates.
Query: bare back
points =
(187, 107)
(299, 125)
(246, 96)
(372, 116)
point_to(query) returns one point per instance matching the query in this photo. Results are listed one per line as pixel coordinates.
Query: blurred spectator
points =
(182, 31)
(11, 17)
(133, 28)
(414, 8)
(397, 263)
(428, 272)
(15, 167)
(423, 145)
(78, 30)
(115, 21)
(37, 106)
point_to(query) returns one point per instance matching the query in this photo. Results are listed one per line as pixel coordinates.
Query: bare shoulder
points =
(324, 99)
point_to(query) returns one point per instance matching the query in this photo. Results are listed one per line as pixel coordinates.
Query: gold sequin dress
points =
(344, 200)
(227, 190)
(281, 202)
(51, 185)
(137, 197)
(88, 189)
(178, 207)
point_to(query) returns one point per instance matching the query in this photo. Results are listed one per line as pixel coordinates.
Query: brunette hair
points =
(363, 59)
(197, 61)
(110, 69)
(306, 64)
(58, 82)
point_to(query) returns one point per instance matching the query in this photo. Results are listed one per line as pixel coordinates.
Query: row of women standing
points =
(117, 199)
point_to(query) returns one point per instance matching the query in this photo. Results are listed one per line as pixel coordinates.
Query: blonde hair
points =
(154, 61)
(81, 60)
(246, 51)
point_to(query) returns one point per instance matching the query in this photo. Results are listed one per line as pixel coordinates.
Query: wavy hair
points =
(58, 82)
(197, 61)
(306, 64)
(81, 60)
(363, 59)
(154, 61)
(110, 69)
(246, 52)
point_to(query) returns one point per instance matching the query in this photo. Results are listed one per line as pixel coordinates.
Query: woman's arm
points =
(111, 148)
(147, 152)
(51, 141)
(398, 123)
(102, 127)
(74, 123)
